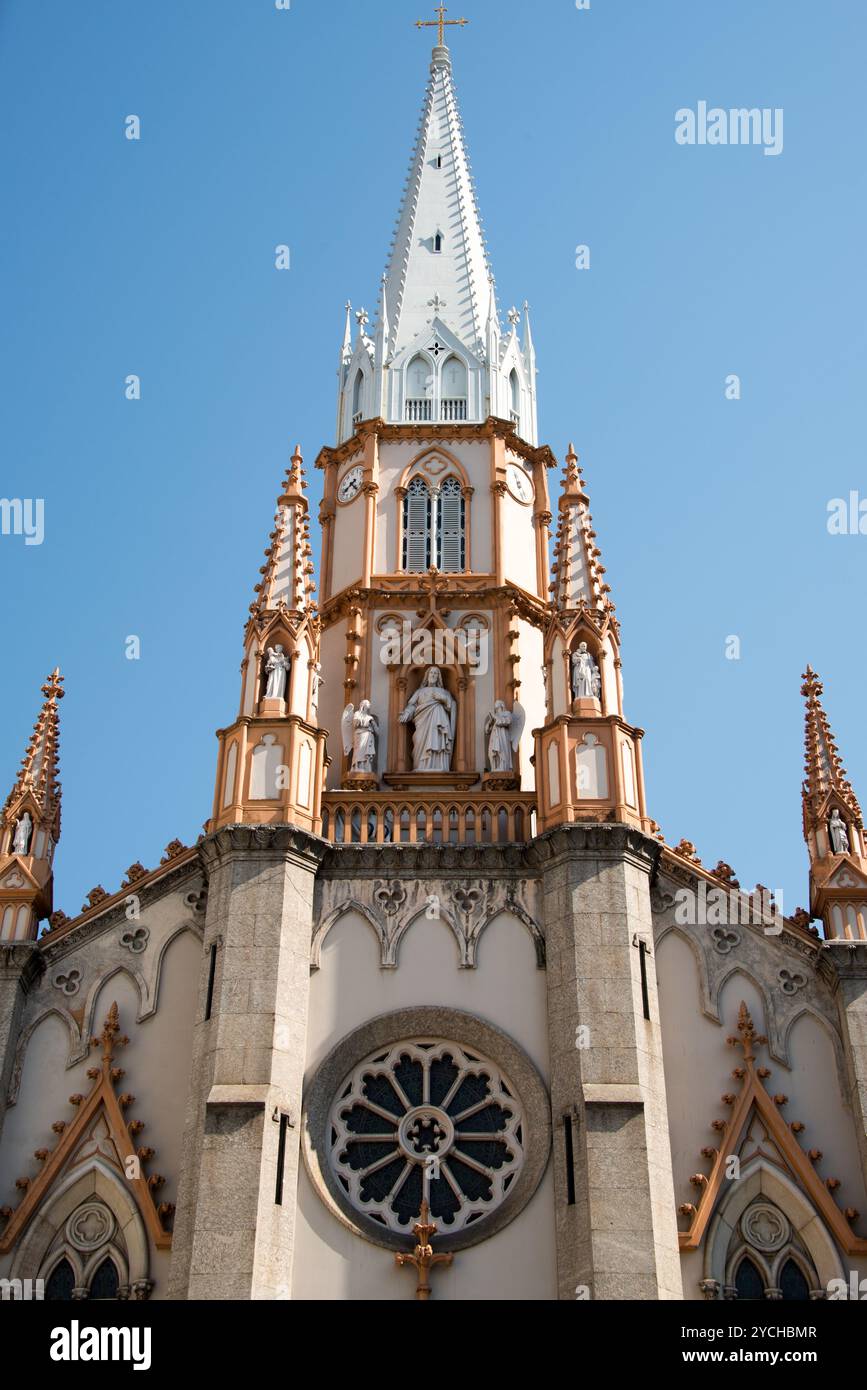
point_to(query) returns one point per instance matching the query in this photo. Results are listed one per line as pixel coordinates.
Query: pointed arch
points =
(194, 929)
(75, 1046)
(518, 914)
(435, 462)
(454, 388)
(144, 1010)
(333, 917)
(763, 1178)
(445, 917)
(358, 397)
(96, 1179)
(416, 527)
(669, 929)
(515, 396)
(738, 968)
(419, 388)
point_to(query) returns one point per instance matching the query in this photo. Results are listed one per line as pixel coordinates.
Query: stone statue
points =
(502, 736)
(23, 831)
(432, 710)
(315, 686)
(586, 680)
(277, 670)
(360, 729)
(839, 833)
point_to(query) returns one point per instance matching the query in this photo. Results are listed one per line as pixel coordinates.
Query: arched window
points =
(454, 390)
(748, 1282)
(419, 389)
(515, 397)
(451, 538)
(417, 510)
(105, 1282)
(61, 1282)
(358, 397)
(438, 243)
(793, 1285)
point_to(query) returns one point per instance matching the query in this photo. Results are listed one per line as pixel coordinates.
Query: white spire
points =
(439, 211)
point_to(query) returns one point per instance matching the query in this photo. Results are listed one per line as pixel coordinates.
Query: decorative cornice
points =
(843, 960)
(602, 841)
(108, 914)
(268, 841)
(396, 861)
(491, 428)
(22, 960)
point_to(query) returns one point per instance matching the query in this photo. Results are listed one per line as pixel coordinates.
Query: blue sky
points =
(261, 127)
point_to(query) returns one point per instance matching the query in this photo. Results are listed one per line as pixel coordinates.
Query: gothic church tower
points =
(469, 857)
(393, 1026)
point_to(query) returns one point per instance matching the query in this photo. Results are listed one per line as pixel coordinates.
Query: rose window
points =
(431, 1121)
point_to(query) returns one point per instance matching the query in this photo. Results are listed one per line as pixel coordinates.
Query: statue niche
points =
(432, 713)
(275, 671)
(586, 679)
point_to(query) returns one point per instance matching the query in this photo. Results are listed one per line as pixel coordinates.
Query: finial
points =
(53, 687)
(441, 24)
(423, 1260)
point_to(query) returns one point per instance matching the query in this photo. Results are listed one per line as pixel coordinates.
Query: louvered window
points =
(451, 542)
(417, 528)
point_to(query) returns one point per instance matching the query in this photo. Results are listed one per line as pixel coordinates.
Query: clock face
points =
(519, 483)
(350, 485)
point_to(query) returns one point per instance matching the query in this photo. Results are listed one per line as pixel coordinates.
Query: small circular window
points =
(426, 1120)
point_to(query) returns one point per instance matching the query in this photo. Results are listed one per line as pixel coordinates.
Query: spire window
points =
(515, 397)
(454, 390)
(417, 516)
(450, 531)
(434, 527)
(419, 390)
(438, 244)
(358, 397)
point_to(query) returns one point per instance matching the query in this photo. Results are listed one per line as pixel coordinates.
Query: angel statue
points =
(23, 831)
(839, 833)
(276, 669)
(360, 729)
(432, 710)
(586, 680)
(503, 734)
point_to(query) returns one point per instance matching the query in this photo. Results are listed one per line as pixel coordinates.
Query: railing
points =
(358, 417)
(350, 819)
(418, 410)
(453, 409)
(515, 416)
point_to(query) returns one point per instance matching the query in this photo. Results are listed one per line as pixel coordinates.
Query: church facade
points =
(432, 1008)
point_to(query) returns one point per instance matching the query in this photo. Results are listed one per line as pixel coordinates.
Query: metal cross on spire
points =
(441, 23)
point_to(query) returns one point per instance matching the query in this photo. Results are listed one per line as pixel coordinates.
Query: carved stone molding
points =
(56, 946)
(23, 960)
(393, 907)
(602, 841)
(275, 841)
